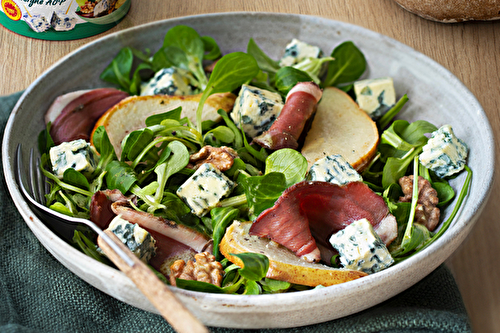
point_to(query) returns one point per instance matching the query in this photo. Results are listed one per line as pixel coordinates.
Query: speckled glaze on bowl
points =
(435, 95)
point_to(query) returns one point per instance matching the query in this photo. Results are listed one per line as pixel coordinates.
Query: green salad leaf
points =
(175, 162)
(392, 112)
(290, 163)
(212, 50)
(313, 67)
(403, 135)
(263, 191)
(45, 141)
(230, 72)
(288, 77)
(348, 66)
(270, 286)
(120, 176)
(160, 60)
(221, 218)
(104, 147)
(118, 71)
(199, 286)
(264, 62)
(255, 265)
(187, 49)
(88, 247)
(157, 119)
(76, 178)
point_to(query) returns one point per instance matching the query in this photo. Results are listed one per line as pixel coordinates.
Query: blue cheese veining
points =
(375, 96)
(62, 22)
(334, 169)
(37, 22)
(103, 7)
(360, 248)
(204, 189)
(137, 239)
(297, 51)
(77, 154)
(256, 109)
(169, 81)
(444, 153)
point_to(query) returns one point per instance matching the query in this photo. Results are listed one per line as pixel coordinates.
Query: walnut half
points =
(426, 213)
(204, 268)
(221, 157)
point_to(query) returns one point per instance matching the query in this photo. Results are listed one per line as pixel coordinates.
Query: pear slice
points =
(341, 127)
(284, 265)
(131, 113)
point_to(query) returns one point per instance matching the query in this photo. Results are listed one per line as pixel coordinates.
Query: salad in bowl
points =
(242, 174)
(274, 178)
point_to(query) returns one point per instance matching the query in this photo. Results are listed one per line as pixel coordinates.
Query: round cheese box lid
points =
(61, 19)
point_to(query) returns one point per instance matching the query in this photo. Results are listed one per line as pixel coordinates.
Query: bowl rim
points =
(460, 221)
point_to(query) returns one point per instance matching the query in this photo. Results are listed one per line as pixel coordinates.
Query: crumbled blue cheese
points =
(204, 189)
(102, 7)
(375, 96)
(360, 248)
(256, 109)
(77, 154)
(334, 169)
(168, 81)
(62, 22)
(297, 51)
(37, 22)
(137, 239)
(444, 153)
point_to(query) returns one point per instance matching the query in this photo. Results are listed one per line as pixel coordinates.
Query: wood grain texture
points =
(469, 50)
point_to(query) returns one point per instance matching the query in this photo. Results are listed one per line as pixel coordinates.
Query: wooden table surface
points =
(470, 50)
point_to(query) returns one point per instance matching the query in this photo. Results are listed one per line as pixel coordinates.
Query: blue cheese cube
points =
(204, 189)
(103, 7)
(334, 169)
(360, 248)
(37, 22)
(62, 22)
(375, 96)
(256, 109)
(444, 153)
(297, 51)
(78, 155)
(168, 81)
(137, 239)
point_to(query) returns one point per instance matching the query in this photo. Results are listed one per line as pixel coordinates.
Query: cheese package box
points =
(61, 19)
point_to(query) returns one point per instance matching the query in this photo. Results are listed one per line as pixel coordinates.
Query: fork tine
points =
(21, 174)
(32, 177)
(19, 166)
(40, 182)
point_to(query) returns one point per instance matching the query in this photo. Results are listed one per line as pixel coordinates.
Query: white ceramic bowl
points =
(435, 95)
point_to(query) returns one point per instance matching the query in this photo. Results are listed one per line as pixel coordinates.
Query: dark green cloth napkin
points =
(38, 294)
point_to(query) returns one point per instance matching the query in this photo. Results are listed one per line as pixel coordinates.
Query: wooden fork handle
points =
(155, 290)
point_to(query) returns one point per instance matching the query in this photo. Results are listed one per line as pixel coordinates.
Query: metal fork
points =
(155, 290)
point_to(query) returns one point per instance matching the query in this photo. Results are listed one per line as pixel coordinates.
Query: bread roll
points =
(450, 11)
